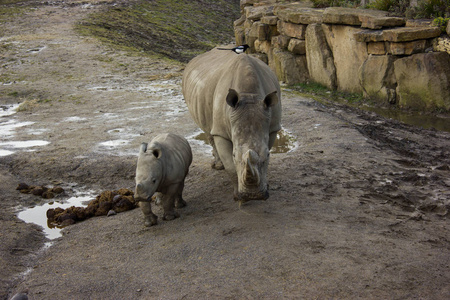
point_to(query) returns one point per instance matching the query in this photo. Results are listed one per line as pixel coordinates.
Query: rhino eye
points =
(153, 180)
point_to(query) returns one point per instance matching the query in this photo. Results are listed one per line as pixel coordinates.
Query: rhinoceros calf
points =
(235, 100)
(161, 168)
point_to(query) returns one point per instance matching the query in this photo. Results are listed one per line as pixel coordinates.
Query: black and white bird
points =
(238, 49)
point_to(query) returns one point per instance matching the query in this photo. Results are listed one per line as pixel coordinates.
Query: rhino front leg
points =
(217, 163)
(150, 218)
(225, 150)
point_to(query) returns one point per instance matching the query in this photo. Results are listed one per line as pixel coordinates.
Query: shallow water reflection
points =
(38, 214)
(284, 143)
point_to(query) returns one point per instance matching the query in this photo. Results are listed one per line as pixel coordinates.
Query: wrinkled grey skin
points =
(161, 168)
(235, 100)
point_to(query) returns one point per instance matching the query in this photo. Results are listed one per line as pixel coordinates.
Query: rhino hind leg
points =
(179, 201)
(168, 204)
(217, 162)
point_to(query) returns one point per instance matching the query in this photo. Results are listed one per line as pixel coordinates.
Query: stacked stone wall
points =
(389, 59)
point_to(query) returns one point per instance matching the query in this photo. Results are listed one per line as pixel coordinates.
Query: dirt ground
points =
(359, 209)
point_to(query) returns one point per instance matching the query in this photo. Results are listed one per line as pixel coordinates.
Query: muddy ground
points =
(359, 209)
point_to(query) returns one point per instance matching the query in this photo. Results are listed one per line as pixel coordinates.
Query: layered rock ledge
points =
(391, 60)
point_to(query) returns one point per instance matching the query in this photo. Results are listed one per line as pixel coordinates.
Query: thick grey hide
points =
(235, 100)
(161, 168)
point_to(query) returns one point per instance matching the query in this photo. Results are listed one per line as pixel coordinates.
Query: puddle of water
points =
(25, 144)
(20, 145)
(5, 152)
(38, 214)
(284, 143)
(7, 110)
(424, 121)
(74, 119)
(7, 128)
(115, 143)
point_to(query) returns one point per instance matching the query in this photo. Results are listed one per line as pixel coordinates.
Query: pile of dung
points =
(107, 203)
(40, 190)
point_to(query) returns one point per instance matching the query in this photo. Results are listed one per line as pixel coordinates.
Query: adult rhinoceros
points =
(235, 100)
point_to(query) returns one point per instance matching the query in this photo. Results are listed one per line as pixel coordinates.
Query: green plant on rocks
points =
(441, 23)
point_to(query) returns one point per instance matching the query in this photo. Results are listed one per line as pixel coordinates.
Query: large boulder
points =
(378, 79)
(319, 57)
(288, 67)
(348, 54)
(423, 81)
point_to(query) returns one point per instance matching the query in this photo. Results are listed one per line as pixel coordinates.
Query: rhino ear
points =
(232, 98)
(271, 99)
(156, 152)
(143, 147)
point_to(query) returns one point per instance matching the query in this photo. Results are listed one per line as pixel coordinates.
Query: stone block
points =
(298, 15)
(423, 81)
(400, 34)
(293, 30)
(377, 78)
(376, 48)
(239, 35)
(290, 68)
(245, 3)
(297, 46)
(349, 16)
(251, 36)
(280, 41)
(407, 48)
(262, 31)
(262, 46)
(418, 22)
(406, 34)
(240, 21)
(319, 57)
(261, 56)
(255, 13)
(269, 20)
(376, 22)
(348, 55)
(369, 36)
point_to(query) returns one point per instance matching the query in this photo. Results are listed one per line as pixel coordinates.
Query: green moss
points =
(178, 29)
(320, 93)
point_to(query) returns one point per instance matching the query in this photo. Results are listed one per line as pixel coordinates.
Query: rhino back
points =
(200, 79)
(208, 78)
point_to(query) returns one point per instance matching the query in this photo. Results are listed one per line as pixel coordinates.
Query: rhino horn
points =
(251, 175)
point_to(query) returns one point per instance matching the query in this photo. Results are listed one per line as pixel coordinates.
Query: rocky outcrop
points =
(320, 63)
(353, 50)
(423, 81)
